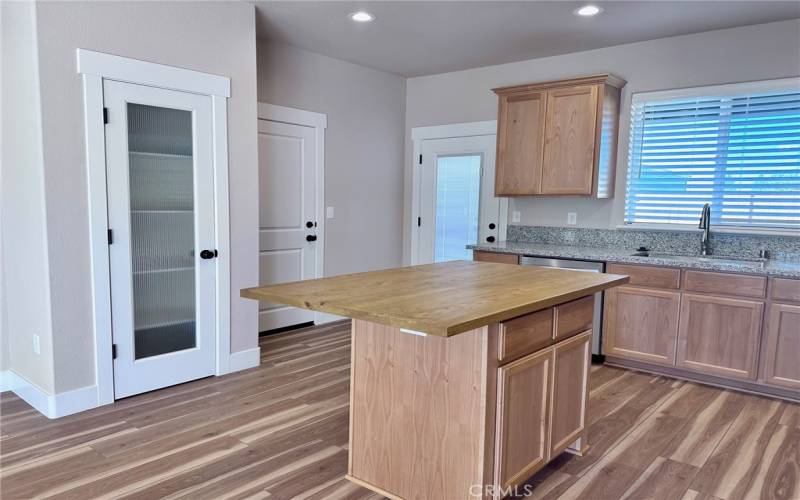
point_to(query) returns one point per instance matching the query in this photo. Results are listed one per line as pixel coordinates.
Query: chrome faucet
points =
(705, 225)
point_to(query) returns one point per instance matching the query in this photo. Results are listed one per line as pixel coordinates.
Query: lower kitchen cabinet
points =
(523, 407)
(641, 324)
(571, 363)
(781, 359)
(719, 336)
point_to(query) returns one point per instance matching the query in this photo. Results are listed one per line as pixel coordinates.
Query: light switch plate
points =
(329, 212)
(516, 215)
(572, 218)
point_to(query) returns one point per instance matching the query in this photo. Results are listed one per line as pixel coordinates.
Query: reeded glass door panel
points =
(162, 229)
(458, 192)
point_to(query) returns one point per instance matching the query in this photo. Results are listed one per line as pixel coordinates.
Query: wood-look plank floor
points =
(280, 431)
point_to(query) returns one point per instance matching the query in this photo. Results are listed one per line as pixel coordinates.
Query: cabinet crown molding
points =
(605, 78)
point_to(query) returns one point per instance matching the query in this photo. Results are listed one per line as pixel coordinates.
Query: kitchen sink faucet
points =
(705, 225)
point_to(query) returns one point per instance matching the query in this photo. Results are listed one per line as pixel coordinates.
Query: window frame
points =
(729, 89)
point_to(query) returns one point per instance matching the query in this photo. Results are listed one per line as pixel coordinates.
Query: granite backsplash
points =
(661, 241)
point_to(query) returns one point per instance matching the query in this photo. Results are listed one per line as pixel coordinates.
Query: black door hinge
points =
(419, 221)
(105, 115)
(113, 351)
(420, 159)
(110, 237)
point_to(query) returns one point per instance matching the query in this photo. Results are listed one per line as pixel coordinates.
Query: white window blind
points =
(734, 146)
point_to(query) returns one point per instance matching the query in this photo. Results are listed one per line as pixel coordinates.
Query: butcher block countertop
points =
(442, 299)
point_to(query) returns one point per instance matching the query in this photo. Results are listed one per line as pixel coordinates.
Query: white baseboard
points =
(320, 318)
(242, 360)
(50, 405)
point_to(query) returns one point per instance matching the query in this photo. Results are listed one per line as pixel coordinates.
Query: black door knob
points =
(309, 224)
(208, 254)
(491, 225)
(311, 237)
(490, 239)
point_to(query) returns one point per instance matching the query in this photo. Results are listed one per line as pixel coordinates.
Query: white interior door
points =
(287, 208)
(457, 202)
(160, 176)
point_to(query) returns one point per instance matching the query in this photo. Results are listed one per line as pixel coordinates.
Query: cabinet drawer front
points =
(725, 284)
(785, 289)
(574, 317)
(501, 258)
(523, 335)
(656, 277)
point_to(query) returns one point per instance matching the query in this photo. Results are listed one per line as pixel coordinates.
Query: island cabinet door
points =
(641, 324)
(781, 359)
(523, 408)
(719, 336)
(570, 393)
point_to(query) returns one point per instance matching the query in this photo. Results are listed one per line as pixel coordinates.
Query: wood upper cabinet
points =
(719, 335)
(641, 324)
(558, 138)
(523, 408)
(780, 363)
(520, 141)
(571, 361)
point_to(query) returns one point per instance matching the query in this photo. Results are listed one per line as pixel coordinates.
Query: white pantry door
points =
(457, 202)
(160, 176)
(287, 208)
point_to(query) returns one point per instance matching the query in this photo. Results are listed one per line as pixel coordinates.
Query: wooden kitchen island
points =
(466, 377)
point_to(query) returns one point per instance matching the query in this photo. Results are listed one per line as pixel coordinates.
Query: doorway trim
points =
(319, 122)
(450, 131)
(94, 67)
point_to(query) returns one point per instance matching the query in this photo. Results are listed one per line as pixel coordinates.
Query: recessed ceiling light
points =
(361, 16)
(588, 11)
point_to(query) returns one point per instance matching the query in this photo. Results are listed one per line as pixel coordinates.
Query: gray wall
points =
(25, 282)
(205, 36)
(363, 149)
(735, 55)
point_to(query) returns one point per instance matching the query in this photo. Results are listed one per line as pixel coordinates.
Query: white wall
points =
(24, 268)
(363, 149)
(214, 37)
(734, 55)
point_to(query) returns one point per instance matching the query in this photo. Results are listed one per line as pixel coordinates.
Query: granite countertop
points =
(442, 299)
(625, 255)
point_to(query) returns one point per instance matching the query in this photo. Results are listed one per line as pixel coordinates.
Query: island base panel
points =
(421, 425)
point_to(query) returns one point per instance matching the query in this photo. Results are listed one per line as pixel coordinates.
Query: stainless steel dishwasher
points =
(579, 265)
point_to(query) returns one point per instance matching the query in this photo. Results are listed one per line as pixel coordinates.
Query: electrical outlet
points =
(329, 212)
(572, 218)
(516, 215)
(36, 346)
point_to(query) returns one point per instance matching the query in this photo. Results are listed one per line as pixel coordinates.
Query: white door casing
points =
(433, 143)
(291, 227)
(136, 374)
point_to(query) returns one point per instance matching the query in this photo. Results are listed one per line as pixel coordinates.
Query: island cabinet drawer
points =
(654, 277)
(785, 289)
(525, 334)
(725, 284)
(573, 317)
(501, 258)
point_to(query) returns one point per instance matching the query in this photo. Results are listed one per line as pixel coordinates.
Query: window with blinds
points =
(736, 147)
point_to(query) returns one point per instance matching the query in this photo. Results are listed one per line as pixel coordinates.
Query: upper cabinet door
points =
(520, 139)
(569, 148)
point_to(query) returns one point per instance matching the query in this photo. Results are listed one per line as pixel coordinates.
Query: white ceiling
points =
(419, 38)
